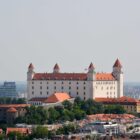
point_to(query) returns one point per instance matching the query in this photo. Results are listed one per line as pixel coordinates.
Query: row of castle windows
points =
(106, 88)
(61, 87)
(61, 82)
(110, 93)
(105, 82)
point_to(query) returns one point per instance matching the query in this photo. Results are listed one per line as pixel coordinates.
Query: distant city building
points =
(88, 85)
(132, 90)
(8, 89)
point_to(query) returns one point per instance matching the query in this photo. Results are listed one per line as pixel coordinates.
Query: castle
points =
(88, 85)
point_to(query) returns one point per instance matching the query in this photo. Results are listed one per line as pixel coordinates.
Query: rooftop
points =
(13, 105)
(58, 97)
(20, 130)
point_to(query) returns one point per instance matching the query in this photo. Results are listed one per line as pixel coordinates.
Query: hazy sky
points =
(72, 33)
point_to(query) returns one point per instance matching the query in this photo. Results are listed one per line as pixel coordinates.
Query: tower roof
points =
(12, 109)
(31, 66)
(56, 66)
(91, 66)
(117, 64)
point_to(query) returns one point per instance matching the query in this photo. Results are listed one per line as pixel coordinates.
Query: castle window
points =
(77, 93)
(84, 93)
(32, 92)
(40, 92)
(47, 82)
(47, 92)
(32, 82)
(107, 88)
(40, 82)
(77, 83)
(84, 98)
(84, 83)
(54, 82)
(40, 87)
(62, 87)
(69, 82)
(84, 87)
(32, 87)
(69, 87)
(62, 82)
(69, 93)
(102, 88)
(54, 87)
(77, 88)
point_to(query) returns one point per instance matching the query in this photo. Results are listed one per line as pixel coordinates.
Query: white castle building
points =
(88, 85)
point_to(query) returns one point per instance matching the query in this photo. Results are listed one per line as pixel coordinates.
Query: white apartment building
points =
(88, 85)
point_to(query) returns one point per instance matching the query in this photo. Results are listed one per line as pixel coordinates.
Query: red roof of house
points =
(31, 66)
(12, 109)
(117, 64)
(106, 117)
(120, 100)
(13, 105)
(58, 97)
(20, 130)
(104, 76)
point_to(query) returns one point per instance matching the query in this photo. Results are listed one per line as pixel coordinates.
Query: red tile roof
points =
(107, 117)
(20, 130)
(121, 100)
(13, 105)
(72, 76)
(104, 76)
(58, 97)
(12, 109)
(60, 76)
(117, 64)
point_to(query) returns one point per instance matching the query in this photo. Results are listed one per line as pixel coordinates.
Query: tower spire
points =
(117, 64)
(56, 68)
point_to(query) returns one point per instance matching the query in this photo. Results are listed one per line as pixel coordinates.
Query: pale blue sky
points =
(70, 32)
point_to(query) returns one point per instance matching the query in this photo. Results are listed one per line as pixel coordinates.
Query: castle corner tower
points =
(118, 74)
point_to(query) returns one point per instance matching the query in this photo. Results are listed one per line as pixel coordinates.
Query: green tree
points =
(34, 115)
(114, 109)
(53, 115)
(67, 105)
(2, 136)
(66, 129)
(40, 132)
(79, 114)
